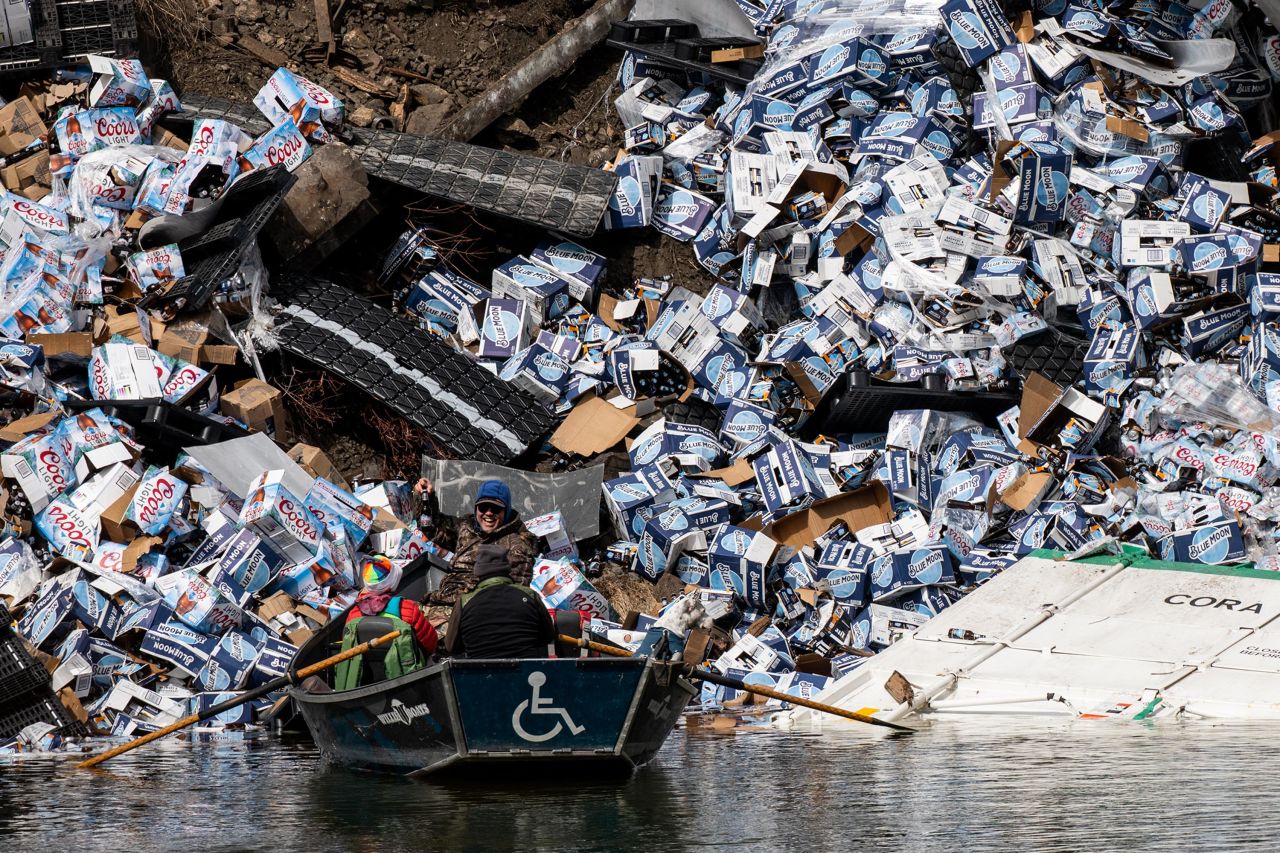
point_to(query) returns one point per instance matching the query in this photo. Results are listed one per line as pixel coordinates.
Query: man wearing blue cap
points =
(493, 521)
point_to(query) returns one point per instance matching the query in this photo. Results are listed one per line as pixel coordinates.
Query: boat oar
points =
(271, 686)
(715, 678)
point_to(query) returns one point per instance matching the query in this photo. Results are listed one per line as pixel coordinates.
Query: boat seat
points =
(569, 623)
(374, 660)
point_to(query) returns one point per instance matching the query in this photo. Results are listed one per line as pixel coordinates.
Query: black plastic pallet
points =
(860, 403)
(1054, 354)
(67, 31)
(161, 424)
(214, 255)
(468, 410)
(195, 106)
(20, 673)
(43, 707)
(553, 195)
(648, 31)
(682, 48)
(694, 412)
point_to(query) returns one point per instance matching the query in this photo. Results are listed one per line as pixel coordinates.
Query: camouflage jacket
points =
(522, 549)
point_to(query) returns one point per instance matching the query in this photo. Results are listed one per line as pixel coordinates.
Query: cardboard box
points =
(1211, 544)
(17, 23)
(681, 213)
(626, 496)
(183, 342)
(115, 525)
(16, 430)
(787, 477)
(20, 125)
(179, 646)
(77, 344)
(100, 492)
(1149, 242)
(632, 203)
(846, 568)
(117, 82)
(190, 343)
(1048, 408)
(594, 426)
(506, 326)
(29, 177)
(742, 557)
(551, 527)
(258, 405)
(199, 604)
(582, 267)
(315, 463)
(127, 324)
(534, 284)
(441, 299)
(330, 503)
(120, 371)
(142, 704)
(564, 587)
(296, 622)
(864, 507)
(897, 574)
(888, 624)
(38, 464)
(247, 565)
(280, 518)
(230, 664)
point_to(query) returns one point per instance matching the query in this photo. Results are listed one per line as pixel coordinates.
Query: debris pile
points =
(986, 280)
(149, 583)
(1061, 221)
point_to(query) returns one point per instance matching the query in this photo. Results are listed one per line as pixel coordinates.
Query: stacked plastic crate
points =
(25, 694)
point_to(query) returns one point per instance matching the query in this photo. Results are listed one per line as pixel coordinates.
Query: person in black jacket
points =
(499, 618)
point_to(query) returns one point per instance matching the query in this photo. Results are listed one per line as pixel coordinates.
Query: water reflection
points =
(979, 786)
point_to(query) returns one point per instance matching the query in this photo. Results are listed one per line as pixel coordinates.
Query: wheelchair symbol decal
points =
(538, 705)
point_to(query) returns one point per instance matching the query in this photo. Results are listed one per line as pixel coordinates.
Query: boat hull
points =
(515, 717)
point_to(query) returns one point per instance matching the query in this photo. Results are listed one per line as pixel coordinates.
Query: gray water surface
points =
(973, 786)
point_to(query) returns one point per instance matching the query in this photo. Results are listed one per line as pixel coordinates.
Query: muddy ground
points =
(448, 53)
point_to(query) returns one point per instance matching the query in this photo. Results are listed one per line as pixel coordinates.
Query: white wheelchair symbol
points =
(536, 704)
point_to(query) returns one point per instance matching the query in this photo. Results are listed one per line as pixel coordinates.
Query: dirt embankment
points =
(446, 52)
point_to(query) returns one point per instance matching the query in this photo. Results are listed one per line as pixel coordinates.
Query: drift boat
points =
(609, 715)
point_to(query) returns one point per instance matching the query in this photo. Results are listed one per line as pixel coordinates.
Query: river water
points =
(972, 786)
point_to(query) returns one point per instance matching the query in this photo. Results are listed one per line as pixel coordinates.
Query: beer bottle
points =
(26, 322)
(77, 146)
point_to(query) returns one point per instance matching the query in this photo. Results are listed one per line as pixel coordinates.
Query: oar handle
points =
(215, 710)
(715, 678)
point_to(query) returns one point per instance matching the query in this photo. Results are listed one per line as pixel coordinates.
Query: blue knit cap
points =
(496, 490)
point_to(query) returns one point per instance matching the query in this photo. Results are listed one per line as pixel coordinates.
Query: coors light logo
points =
(153, 498)
(296, 522)
(116, 128)
(286, 151)
(39, 216)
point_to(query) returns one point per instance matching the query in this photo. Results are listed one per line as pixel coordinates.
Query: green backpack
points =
(403, 655)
